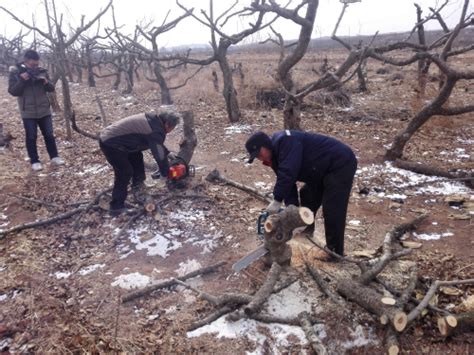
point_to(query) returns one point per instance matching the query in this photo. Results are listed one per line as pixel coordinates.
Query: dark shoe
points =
(114, 212)
(139, 192)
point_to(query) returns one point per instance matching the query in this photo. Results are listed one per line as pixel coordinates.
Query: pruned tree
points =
(221, 42)
(59, 43)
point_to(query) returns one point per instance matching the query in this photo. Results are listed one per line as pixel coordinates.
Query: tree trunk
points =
(292, 113)
(165, 92)
(229, 92)
(79, 73)
(90, 68)
(189, 141)
(400, 141)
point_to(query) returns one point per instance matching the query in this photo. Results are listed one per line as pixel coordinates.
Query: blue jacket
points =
(305, 157)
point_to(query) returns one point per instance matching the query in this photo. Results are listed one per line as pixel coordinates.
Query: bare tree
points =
(221, 42)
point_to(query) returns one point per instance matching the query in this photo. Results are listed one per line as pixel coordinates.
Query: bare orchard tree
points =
(60, 44)
(220, 43)
(152, 55)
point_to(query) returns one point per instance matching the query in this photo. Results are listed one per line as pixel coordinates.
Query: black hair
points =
(31, 54)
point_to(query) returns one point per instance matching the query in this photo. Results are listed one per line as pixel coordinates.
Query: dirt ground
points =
(60, 285)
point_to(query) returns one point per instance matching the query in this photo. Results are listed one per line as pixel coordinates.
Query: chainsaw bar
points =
(250, 258)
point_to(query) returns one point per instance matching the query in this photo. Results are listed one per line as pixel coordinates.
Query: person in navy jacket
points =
(326, 166)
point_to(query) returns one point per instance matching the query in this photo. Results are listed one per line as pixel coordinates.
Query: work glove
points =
(273, 207)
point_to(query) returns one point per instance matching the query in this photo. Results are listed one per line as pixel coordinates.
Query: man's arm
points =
(48, 85)
(289, 164)
(159, 151)
(16, 85)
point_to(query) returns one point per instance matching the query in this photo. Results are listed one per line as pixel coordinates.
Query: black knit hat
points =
(255, 142)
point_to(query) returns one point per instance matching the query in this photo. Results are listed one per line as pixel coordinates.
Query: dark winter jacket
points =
(137, 133)
(305, 157)
(33, 101)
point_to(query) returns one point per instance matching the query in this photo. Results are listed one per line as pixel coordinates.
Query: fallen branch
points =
(406, 294)
(81, 131)
(211, 317)
(38, 202)
(431, 292)
(391, 342)
(54, 219)
(165, 284)
(215, 176)
(323, 285)
(313, 339)
(264, 292)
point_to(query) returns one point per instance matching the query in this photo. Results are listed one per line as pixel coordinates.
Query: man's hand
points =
(25, 76)
(273, 207)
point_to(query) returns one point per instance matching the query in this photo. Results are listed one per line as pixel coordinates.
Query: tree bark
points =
(164, 90)
(456, 323)
(189, 141)
(228, 91)
(371, 301)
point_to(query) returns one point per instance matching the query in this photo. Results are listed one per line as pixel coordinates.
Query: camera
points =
(34, 73)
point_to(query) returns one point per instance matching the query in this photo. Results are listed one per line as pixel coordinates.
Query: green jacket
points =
(32, 95)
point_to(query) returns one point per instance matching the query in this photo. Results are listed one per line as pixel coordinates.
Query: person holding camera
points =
(30, 84)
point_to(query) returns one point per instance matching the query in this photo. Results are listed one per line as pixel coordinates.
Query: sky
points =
(364, 18)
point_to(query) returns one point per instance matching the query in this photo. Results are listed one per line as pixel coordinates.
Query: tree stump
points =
(278, 230)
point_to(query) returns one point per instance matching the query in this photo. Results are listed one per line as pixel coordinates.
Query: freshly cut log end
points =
(268, 226)
(400, 321)
(393, 350)
(389, 301)
(452, 321)
(150, 207)
(306, 215)
(384, 319)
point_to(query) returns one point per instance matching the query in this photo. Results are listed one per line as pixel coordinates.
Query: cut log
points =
(289, 219)
(391, 342)
(313, 339)
(456, 323)
(370, 300)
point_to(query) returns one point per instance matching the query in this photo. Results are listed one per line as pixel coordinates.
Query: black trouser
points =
(31, 133)
(126, 166)
(333, 193)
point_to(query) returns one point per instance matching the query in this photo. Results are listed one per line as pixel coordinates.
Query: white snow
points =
(93, 169)
(131, 281)
(62, 275)
(251, 330)
(432, 236)
(156, 245)
(288, 303)
(238, 128)
(354, 222)
(263, 185)
(3, 297)
(91, 268)
(360, 338)
(187, 216)
(188, 266)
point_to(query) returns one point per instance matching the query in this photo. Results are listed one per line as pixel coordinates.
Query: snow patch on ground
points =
(360, 338)
(238, 128)
(131, 281)
(188, 266)
(62, 274)
(432, 236)
(251, 330)
(263, 185)
(3, 297)
(93, 169)
(187, 216)
(155, 244)
(398, 181)
(288, 303)
(91, 268)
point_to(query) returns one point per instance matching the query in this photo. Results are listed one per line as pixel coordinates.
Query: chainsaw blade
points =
(250, 258)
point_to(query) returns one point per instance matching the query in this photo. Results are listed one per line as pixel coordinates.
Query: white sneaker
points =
(36, 166)
(57, 161)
